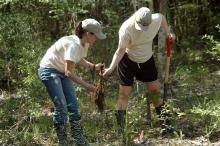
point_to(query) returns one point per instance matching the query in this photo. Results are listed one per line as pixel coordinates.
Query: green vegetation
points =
(28, 28)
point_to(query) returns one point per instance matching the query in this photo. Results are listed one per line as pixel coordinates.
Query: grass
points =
(26, 119)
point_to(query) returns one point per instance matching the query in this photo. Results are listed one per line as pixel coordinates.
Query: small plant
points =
(213, 45)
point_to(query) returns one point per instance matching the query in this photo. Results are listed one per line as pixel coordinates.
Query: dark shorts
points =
(128, 69)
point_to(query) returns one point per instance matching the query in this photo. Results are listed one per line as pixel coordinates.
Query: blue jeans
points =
(62, 93)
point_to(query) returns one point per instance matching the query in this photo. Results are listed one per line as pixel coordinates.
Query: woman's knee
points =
(123, 97)
(153, 87)
(60, 114)
(61, 109)
(73, 110)
(124, 91)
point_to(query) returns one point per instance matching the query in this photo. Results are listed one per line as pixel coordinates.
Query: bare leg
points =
(154, 91)
(124, 93)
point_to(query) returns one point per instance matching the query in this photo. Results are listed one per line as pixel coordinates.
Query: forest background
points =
(29, 27)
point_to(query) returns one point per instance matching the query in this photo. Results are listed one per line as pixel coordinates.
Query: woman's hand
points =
(172, 36)
(107, 72)
(91, 88)
(99, 66)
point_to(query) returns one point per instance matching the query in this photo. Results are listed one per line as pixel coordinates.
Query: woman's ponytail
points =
(79, 31)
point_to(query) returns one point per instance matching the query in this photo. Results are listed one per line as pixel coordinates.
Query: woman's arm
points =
(164, 25)
(83, 62)
(115, 60)
(69, 66)
(166, 29)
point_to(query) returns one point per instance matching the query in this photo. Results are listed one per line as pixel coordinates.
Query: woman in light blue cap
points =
(57, 73)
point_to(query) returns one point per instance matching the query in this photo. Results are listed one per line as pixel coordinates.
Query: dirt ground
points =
(175, 142)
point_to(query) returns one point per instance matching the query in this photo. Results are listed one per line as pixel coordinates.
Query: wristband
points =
(93, 67)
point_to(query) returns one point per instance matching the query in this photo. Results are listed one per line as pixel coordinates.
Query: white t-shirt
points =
(66, 48)
(138, 43)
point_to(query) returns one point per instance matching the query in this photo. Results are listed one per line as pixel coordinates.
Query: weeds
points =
(26, 118)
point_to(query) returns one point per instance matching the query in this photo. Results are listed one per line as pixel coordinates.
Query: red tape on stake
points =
(169, 45)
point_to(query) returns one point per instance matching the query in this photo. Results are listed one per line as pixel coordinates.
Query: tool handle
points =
(167, 69)
(168, 47)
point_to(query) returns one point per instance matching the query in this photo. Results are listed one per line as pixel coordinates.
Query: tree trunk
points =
(161, 6)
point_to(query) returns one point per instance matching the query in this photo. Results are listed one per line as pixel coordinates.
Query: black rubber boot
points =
(159, 109)
(120, 116)
(121, 121)
(61, 134)
(77, 133)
